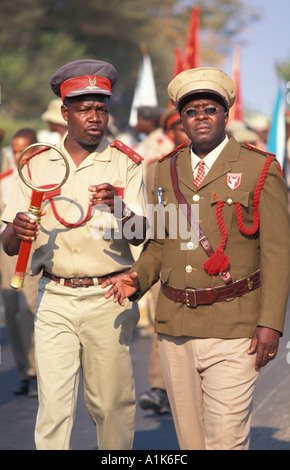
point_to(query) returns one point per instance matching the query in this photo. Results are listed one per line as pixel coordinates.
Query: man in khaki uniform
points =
(89, 230)
(223, 296)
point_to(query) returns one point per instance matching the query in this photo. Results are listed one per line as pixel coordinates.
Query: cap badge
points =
(92, 81)
(234, 180)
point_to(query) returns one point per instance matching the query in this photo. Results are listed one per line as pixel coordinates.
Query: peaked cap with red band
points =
(84, 77)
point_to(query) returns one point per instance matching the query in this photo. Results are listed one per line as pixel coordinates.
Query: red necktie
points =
(200, 174)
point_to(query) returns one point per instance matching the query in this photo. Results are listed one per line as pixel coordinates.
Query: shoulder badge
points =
(6, 173)
(127, 150)
(181, 146)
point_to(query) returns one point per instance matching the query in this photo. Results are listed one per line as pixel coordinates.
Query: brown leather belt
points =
(192, 296)
(79, 281)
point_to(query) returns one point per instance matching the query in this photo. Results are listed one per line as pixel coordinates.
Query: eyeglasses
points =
(194, 112)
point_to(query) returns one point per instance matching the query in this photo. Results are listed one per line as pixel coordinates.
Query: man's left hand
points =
(265, 342)
(103, 196)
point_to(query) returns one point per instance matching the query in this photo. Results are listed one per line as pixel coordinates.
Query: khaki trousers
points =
(210, 384)
(77, 328)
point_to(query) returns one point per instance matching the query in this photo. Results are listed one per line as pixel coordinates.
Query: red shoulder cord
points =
(220, 261)
(50, 199)
(255, 226)
(68, 224)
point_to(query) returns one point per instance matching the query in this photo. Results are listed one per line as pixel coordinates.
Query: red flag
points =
(178, 67)
(236, 113)
(191, 52)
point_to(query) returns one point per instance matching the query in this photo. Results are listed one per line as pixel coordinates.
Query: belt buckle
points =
(188, 290)
(75, 282)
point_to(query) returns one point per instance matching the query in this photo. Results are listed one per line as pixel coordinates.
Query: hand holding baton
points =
(34, 210)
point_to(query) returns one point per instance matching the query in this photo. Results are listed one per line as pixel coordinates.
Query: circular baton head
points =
(45, 147)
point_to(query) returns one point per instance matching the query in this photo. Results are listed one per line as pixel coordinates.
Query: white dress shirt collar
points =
(210, 157)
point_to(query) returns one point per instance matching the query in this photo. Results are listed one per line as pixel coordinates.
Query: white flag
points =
(145, 92)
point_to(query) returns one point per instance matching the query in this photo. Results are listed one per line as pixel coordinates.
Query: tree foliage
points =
(38, 36)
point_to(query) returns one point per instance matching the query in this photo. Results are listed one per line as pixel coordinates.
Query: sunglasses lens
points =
(192, 112)
(210, 110)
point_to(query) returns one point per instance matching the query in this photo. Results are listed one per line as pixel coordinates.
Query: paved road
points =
(270, 425)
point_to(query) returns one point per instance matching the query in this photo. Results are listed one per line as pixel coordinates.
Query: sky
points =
(266, 41)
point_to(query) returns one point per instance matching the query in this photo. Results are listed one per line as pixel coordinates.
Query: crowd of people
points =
(96, 278)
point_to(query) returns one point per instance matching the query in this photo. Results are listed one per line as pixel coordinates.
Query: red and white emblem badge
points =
(234, 180)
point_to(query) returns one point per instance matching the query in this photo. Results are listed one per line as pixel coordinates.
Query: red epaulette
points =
(172, 152)
(252, 147)
(267, 154)
(127, 150)
(6, 173)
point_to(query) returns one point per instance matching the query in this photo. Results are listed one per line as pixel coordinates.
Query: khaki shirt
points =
(90, 249)
(179, 263)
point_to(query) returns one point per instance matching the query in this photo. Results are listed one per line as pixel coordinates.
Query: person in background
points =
(57, 127)
(242, 133)
(6, 160)
(154, 141)
(19, 305)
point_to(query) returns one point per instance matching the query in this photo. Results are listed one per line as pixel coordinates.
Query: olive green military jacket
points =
(180, 264)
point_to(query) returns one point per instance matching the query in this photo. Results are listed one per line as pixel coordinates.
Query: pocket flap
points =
(230, 197)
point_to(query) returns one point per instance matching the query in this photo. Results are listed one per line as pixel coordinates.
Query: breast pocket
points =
(228, 211)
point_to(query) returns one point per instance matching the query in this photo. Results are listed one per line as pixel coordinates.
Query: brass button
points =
(195, 198)
(229, 201)
(188, 269)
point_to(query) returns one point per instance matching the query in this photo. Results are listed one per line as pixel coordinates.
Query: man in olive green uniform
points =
(89, 230)
(222, 302)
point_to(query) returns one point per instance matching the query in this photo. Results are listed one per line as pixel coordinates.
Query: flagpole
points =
(236, 112)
